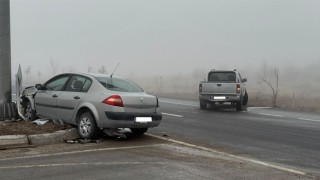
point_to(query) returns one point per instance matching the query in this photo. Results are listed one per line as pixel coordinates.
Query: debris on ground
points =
(40, 122)
(82, 141)
(115, 132)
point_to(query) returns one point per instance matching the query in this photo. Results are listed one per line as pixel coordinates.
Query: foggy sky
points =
(156, 37)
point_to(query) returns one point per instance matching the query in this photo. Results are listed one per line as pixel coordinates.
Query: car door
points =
(46, 99)
(69, 99)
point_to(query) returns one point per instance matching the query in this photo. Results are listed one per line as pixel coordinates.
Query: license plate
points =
(143, 119)
(218, 97)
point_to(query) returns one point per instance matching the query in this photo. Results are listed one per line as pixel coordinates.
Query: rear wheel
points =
(29, 113)
(245, 98)
(138, 131)
(239, 105)
(203, 104)
(87, 127)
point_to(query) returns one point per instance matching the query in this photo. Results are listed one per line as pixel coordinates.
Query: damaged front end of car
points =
(25, 98)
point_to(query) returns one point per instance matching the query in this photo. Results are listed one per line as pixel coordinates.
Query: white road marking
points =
(250, 108)
(82, 164)
(231, 155)
(175, 115)
(179, 103)
(314, 120)
(271, 115)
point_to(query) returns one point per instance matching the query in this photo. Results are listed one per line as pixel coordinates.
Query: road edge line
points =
(174, 115)
(231, 155)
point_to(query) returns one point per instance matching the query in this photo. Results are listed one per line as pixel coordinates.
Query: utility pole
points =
(7, 108)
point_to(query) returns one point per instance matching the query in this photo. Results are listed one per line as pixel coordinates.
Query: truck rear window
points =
(222, 77)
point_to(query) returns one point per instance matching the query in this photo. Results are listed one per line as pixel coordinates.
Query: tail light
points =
(238, 88)
(200, 88)
(114, 100)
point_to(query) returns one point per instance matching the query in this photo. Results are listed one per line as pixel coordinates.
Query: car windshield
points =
(119, 84)
(222, 77)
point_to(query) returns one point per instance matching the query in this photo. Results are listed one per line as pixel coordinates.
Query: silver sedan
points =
(94, 102)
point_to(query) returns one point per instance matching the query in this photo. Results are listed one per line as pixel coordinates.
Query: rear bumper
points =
(220, 97)
(131, 116)
(127, 120)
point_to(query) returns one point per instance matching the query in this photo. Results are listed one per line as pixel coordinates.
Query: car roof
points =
(92, 75)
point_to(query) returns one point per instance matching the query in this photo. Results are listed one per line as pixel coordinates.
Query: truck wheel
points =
(138, 131)
(239, 106)
(87, 127)
(29, 113)
(245, 98)
(203, 104)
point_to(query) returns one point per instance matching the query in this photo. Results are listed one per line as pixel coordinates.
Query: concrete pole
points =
(5, 52)
(6, 106)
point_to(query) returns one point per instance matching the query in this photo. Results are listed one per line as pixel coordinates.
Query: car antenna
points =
(115, 70)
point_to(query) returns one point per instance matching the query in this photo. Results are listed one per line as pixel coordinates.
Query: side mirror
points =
(39, 86)
(244, 80)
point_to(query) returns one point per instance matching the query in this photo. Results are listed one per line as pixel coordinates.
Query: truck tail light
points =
(114, 100)
(200, 88)
(238, 88)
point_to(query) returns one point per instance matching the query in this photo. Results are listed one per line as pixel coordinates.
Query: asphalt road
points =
(286, 139)
(280, 137)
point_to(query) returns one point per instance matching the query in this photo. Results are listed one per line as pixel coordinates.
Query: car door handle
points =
(54, 95)
(218, 84)
(76, 97)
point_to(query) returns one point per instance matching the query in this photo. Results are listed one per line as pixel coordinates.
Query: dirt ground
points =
(22, 127)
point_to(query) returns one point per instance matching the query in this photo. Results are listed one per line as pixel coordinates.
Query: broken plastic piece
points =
(40, 121)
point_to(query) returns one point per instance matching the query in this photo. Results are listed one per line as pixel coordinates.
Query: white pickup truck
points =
(221, 87)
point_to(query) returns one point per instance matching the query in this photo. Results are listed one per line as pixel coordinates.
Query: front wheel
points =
(138, 131)
(87, 127)
(29, 113)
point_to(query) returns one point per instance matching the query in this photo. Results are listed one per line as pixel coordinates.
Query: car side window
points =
(86, 85)
(76, 83)
(56, 84)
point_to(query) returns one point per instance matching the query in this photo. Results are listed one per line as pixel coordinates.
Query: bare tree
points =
(89, 69)
(274, 87)
(39, 75)
(103, 70)
(54, 66)
(27, 72)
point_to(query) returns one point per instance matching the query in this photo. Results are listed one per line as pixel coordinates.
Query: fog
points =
(168, 46)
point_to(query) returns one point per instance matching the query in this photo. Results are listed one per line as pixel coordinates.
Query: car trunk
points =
(138, 102)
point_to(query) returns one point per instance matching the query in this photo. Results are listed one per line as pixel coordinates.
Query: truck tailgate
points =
(218, 88)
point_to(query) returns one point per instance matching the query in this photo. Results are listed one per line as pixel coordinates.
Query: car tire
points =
(138, 131)
(87, 127)
(29, 113)
(203, 104)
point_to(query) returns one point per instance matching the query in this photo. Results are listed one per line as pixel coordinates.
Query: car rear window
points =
(119, 84)
(222, 77)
